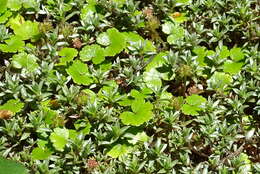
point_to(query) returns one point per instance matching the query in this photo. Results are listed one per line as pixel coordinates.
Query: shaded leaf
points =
(11, 167)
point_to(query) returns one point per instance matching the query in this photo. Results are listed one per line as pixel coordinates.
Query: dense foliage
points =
(130, 87)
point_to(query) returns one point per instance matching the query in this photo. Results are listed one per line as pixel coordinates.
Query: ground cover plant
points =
(129, 87)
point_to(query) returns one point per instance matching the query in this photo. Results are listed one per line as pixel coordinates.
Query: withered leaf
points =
(5, 114)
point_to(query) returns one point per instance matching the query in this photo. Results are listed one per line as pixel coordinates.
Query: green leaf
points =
(119, 3)
(4, 16)
(132, 37)
(174, 31)
(134, 41)
(177, 34)
(23, 60)
(79, 73)
(201, 52)
(142, 112)
(30, 4)
(194, 103)
(24, 29)
(119, 150)
(148, 46)
(219, 81)
(103, 39)
(92, 52)
(59, 138)
(157, 61)
(180, 19)
(189, 110)
(232, 67)
(117, 42)
(3, 4)
(14, 5)
(50, 116)
(168, 28)
(152, 79)
(83, 126)
(12, 105)
(195, 100)
(67, 55)
(182, 2)
(236, 54)
(224, 52)
(88, 9)
(12, 45)
(11, 167)
(139, 137)
(39, 153)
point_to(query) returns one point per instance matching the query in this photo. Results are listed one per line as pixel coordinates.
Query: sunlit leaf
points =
(92, 52)
(13, 44)
(14, 5)
(142, 112)
(139, 137)
(224, 52)
(232, 67)
(193, 104)
(103, 39)
(189, 110)
(3, 4)
(119, 150)
(168, 27)
(182, 2)
(26, 61)
(117, 42)
(152, 79)
(39, 153)
(79, 73)
(59, 138)
(174, 31)
(12, 105)
(24, 29)
(67, 55)
(4, 16)
(236, 54)
(201, 52)
(195, 100)
(219, 81)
